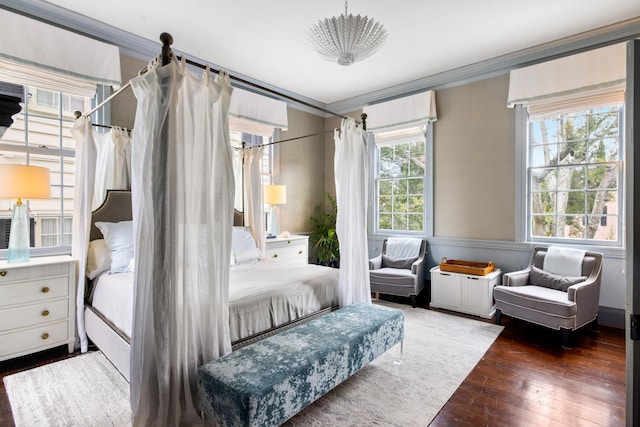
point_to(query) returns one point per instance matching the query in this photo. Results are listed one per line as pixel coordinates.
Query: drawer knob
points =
(275, 255)
(45, 336)
(45, 313)
(299, 252)
(3, 273)
(45, 289)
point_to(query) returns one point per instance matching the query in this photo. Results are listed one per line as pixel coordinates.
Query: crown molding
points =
(140, 47)
(599, 37)
(145, 49)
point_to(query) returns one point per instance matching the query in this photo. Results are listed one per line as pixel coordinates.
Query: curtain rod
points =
(167, 41)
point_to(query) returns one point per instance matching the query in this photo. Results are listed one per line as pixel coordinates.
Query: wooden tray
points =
(466, 267)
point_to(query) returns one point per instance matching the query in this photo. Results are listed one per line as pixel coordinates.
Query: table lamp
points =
(20, 181)
(275, 195)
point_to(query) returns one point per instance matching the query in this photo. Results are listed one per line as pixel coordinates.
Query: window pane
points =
(578, 198)
(571, 178)
(543, 225)
(544, 155)
(573, 152)
(543, 179)
(572, 127)
(543, 132)
(415, 223)
(400, 222)
(543, 203)
(603, 177)
(603, 150)
(401, 182)
(43, 135)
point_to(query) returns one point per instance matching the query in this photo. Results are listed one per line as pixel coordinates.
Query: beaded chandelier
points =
(346, 39)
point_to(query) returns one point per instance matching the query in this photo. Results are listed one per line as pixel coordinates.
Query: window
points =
(268, 169)
(40, 136)
(574, 176)
(400, 181)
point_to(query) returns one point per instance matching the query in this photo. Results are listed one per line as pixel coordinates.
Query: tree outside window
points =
(574, 175)
(401, 186)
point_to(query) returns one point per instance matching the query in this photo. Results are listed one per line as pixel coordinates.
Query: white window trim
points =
(372, 212)
(522, 184)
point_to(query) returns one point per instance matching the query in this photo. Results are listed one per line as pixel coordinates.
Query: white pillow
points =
(248, 255)
(98, 258)
(119, 239)
(243, 245)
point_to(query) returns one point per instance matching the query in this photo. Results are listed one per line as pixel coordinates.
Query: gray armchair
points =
(400, 269)
(557, 301)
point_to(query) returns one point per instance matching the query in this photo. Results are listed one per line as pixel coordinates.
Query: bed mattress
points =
(262, 295)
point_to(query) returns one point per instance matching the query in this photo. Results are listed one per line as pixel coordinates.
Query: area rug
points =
(85, 390)
(439, 351)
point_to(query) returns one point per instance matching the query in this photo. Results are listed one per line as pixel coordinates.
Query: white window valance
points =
(37, 54)
(256, 114)
(411, 111)
(592, 79)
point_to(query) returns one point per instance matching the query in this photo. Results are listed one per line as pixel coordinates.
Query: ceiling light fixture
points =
(346, 39)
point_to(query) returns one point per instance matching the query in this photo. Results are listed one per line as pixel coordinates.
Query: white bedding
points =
(262, 295)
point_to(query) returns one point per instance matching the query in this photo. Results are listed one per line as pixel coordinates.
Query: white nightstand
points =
(293, 249)
(37, 305)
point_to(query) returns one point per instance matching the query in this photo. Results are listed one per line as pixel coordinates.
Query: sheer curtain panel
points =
(182, 187)
(254, 206)
(85, 174)
(103, 162)
(352, 175)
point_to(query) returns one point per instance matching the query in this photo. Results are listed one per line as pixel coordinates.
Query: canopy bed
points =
(189, 304)
(262, 301)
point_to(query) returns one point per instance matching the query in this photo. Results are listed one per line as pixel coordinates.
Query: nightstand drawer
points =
(40, 337)
(293, 249)
(34, 291)
(32, 272)
(35, 314)
(289, 253)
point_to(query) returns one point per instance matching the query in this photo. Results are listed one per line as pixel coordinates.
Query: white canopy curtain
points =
(182, 189)
(351, 163)
(255, 116)
(103, 161)
(37, 54)
(253, 191)
(587, 80)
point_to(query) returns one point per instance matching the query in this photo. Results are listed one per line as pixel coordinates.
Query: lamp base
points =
(18, 250)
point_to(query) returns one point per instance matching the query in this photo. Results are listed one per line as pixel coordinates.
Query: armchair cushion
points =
(404, 263)
(545, 279)
(539, 301)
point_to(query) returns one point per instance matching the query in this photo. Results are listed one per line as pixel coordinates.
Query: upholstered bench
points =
(268, 382)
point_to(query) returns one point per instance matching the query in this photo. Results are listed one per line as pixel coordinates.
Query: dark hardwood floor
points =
(527, 379)
(524, 379)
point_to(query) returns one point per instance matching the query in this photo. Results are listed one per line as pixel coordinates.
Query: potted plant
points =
(323, 238)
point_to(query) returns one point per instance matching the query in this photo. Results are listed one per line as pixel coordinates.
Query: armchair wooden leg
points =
(498, 316)
(594, 326)
(566, 338)
(413, 300)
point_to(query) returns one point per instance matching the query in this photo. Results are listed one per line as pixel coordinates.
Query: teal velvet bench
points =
(268, 382)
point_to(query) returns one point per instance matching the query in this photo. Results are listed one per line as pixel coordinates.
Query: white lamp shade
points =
(28, 182)
(275, 194)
